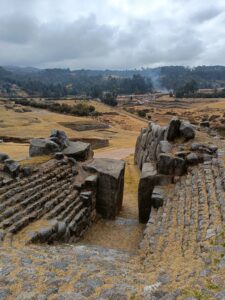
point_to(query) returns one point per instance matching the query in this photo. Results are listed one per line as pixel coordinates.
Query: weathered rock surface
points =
(148, 181)
(145, 189)
(11, 167)
(3, 157)
(110, 185)
(48, 194)
(79, 151)
(155, 140)
(187, 130)
(163, 147)
(192, 158)
(173, 130)
(60, 138)
(58, 143)
(157, 197)
(169, 165)
(39, 147)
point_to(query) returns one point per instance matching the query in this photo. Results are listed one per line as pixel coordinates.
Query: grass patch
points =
(211, 286)
(199, 295)
(35, 160)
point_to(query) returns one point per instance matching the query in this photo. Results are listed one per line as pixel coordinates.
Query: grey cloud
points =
(206, 14)
(176, 33)
(17, 29)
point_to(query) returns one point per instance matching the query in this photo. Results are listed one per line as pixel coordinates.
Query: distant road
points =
(124, 112)
(115, 153)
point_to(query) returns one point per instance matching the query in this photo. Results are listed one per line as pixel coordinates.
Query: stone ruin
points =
(181, 199)
(64, 193)
(181, 194)
(163, 154)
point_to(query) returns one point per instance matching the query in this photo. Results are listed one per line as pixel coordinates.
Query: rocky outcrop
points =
(39, 147)
(58, 142)
(157, 197)
(147, 143)
(157, 156)
(169, 165)
(60, 138)
(148, 181)
(78, 150)
(3, 157)
(155, 140)
(173, 130)
(11, 167)
(110, 185)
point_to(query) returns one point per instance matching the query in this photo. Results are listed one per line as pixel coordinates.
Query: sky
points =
(111, 34)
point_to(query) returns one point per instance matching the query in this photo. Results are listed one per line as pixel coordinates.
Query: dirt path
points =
(124, 233)
(114, 153)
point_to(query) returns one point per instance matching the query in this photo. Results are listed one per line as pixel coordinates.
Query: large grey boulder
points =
(148, 181)
(145, 189)
(157, 197)
(79, 151)
(110, 185)
(173, 130)
(40, 147)
(3, 157)
(163, 147)
(179, 166)
(60, 138)
(169, 165)
(11, 167)
(192, 158)
(165, 164)
(187, 130)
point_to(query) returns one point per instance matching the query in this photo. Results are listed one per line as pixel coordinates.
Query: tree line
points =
(107, 84)
(80, 109)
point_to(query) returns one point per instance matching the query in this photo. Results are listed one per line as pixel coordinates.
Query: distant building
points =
(137, 99)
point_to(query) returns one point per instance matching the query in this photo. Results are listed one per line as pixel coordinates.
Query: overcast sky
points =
(114, 34)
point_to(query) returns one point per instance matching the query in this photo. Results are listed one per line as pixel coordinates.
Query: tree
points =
(96, 91)
(188, 90)
(138, 84)
(141, 113)
(109, 99)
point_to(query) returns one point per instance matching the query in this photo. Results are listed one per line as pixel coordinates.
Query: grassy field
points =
(123, 127)
(122, 132)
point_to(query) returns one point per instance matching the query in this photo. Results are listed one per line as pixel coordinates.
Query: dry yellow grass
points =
(123, 127)
(122, 133)
(115, 235)
(15, 151)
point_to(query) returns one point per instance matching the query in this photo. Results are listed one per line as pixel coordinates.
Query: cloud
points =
(111, 33)
(17, 29)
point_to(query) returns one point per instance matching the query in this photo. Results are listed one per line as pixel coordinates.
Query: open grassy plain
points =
(21, 127)
(121, 129)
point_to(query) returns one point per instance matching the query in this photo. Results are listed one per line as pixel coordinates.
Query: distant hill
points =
(58, 82)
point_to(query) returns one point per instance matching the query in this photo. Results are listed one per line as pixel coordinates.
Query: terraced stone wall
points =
(147, 143)
(57, 195)
(155, 141)
(191, 218)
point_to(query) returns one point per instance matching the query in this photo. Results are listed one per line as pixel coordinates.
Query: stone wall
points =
(191, 218)
(53, 193)
(58, 200)
(161, 159)
(149, 180)
(155, 140)
(110, 185)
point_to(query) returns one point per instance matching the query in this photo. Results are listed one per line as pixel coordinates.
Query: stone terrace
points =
(181, 255)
